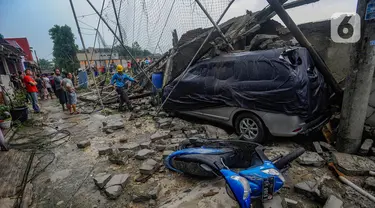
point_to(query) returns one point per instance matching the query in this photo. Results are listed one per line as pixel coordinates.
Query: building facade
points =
(98, 57)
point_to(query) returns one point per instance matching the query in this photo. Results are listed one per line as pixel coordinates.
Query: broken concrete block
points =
(327, 146)
(353, 165)
(290, 203)
(159, 135)
(163, 114)
(177, 140)
(113, 192)
(118, 158)
(129, 153)
(148, 167)
(172, 147)
(83, 144)
(129, 146)
(329, 186)
(259, 38)
(162, 142)
(102, 179)
(311, 158)
(275, 202)
(119, 179)
(214, 132)
(145, 192)
(306, 188)
(333, 202)
(144, 154)
(370, 183)
(154, 192)
(164, 125)
(265, 43)
(105, 151)
(190, 133)
(138, 125)
(108, 131)
(160, 147)
(166, 153)
(146, 145)
(318, 148)
(113, 122)
(365, 147)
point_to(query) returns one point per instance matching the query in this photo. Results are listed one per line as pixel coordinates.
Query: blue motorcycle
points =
(260, 179)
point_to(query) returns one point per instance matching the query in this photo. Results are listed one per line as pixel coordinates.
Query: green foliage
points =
(45, 64)
(4, 112)
(18, 99)
(136, 50)
(64, 48)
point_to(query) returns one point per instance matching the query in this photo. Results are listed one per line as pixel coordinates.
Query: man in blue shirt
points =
(118, 81)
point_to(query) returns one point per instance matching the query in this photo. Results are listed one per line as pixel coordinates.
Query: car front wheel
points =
(250, 127)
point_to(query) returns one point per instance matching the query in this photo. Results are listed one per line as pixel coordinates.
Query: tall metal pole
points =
(195, 55)
(37, 61)
(214, 23)
(114, 39)
(118, 39)
(84, 48)
(97, 31)
(297, 33)
(117, 21)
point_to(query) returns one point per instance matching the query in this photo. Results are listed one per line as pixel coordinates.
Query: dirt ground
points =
(61, 174)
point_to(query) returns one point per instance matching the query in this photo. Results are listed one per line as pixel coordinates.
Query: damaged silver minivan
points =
(278, 92)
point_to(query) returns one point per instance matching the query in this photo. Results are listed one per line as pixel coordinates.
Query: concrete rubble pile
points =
(252, 31)
(144, 157)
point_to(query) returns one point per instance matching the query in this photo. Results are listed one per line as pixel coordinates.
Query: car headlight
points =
(245, 185)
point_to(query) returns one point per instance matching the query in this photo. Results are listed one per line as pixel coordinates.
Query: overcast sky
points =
(33, 18)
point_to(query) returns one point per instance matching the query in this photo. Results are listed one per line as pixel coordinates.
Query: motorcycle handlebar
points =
(284, 161)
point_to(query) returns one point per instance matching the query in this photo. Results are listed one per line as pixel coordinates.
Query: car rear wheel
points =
(250, 127)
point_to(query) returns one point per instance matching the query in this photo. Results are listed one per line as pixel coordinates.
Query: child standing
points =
(71, 94)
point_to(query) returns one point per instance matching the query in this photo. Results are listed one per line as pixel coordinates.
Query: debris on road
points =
(83, 144)
(311, 158)
(365, 147)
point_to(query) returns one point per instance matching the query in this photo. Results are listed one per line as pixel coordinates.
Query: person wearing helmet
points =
(119, 82)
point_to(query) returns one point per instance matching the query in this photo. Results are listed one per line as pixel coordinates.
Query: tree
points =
(45, 64)
(64, 48)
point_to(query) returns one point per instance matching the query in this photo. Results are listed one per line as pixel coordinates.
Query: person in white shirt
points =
(47, 86)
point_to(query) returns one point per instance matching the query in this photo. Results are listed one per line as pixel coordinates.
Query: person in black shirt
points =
(39, 85)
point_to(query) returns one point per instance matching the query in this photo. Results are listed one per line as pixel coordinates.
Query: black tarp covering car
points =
(279, 80)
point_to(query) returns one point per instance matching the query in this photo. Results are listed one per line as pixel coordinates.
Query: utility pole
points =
(358, 89)
(84, 48)
(37, 61)
(36, 56)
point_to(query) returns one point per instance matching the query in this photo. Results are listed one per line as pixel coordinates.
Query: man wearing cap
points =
(118, 81)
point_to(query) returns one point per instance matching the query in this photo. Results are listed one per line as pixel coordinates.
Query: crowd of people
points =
(43, 86)
(133, 67)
